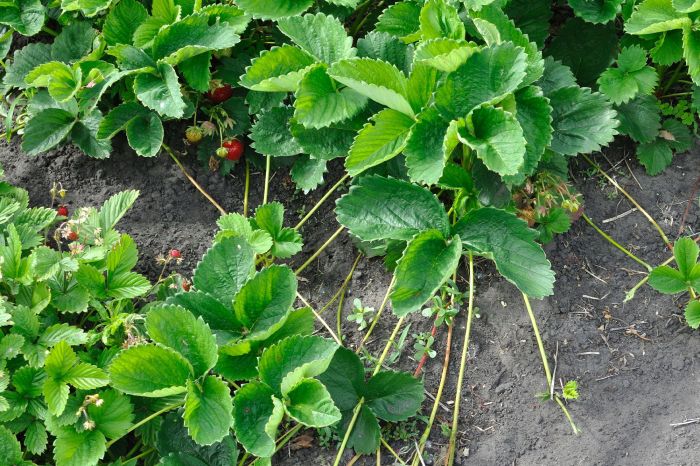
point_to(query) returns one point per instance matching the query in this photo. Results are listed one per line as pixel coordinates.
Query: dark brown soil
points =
(636, 363)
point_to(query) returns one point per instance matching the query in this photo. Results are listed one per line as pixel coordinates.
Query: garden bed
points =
(635, 363)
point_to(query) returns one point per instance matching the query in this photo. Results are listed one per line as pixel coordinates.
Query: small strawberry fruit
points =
(221, 152)
(175, 254)
(62, 211)
(219, 92)
(194, 134)
(235, 149)
(186, 285)
(73, 236)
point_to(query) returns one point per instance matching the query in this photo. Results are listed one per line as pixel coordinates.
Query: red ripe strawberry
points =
(219, 92)
(73, 236)
(221, 152)
(235, 149)
(62, 211)
(186, 285)
(194, 134)
(175, 254)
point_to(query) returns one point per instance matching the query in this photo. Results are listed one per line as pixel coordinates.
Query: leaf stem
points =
(630, 198)
(144, 421)
(267, 178)
(545, 363)
(318, 252)
(376, 317)
(616, 244)
(321, 201)
(320, 319)
(246, 193)
(192, 180)
(449, 460)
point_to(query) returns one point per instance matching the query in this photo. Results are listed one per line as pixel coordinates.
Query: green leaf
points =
(307, 173)
(215, 314)
(344, 379)
(652, 16)
(283, 365)
(161, 92)
(366, 434)
(507, 240)
(272, 135)
(655, 156)
(692, 314)
(497, 138)
(237, 225)
(127, 285)
(588, 49)
(444, 54)
(197, 71)
(84, 135)
(265, 300)
(117, 119)
(24, 16)
(667, 280)
(385, 47)
(691, 50)
(175, 443)
(330, 142)
(145, 134)
(402, 20)
(320, 103)
(35, 438)
(25, 60)
(322, 36)
(277, 70)
(376, 143)
(208, 407)
(375, 79)
(487, 76)
(310, 404)
(428, 261)
(556, 76)
(84, 448)
(438, 18)
(668, 48)
(122, 21)
(47, 129)
(640, 118)
(274, 9)
(256, 418)
(74, 42)
(86, 377)
(394, 396)
(379, 208)
(62, 80)
(427, 148)
(686, 6)
(190, 37)
(150, 371)
(177, 328)
(114, 416)
(596, 11)
(686, 252)
(583, 121)
(224, 269)
(632, 77)
(286, 241)
(531, 18)
(115, 208)
(56, 396)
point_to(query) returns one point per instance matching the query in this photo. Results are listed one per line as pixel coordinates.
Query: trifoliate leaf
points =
(286, 241)
(277, 70)
(375, 79)
(208, 407)
(319, 102)
(322, 36)
(376, 143)
(583, 121)
(177, 328)
(150, 371)
(632, 76)
(488, 76)
(428, 261)
(507, 240)
(379, 208)
(497, 138)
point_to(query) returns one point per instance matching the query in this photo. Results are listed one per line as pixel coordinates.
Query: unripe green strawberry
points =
(221, 152)
(194, 134)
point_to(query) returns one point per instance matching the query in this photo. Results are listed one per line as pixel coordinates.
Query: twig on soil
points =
(622, 215)
(631, 199)
(321, 201)
(192, 180)
(616, 244)
(686, 422)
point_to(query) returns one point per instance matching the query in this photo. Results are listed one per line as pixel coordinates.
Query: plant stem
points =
(376, 317)
(449, 460)
(192, 180)
(545, 363)
(267, 178)
(438, 397)
(424, 358)
(677, 94)
(321, 201)
(318, 252)
(674, 78)
(144, 421)
(391, 450)
(616, 244)
(631, 199)
(345, 283)
(49, 31)
(320, 319)
(141, 455)
(246, 193)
